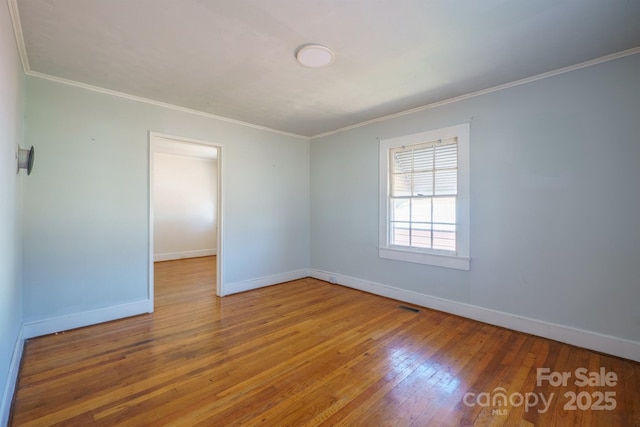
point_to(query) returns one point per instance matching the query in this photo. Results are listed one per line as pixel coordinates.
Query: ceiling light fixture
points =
(315, 56)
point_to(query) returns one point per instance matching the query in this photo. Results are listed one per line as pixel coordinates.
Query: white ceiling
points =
(235, 58)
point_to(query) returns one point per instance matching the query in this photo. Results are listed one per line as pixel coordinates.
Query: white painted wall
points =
(555, 224)
(11, 129)
(184, 206)
(87, 207)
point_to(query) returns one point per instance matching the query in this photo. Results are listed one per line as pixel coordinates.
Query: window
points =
(424, 197)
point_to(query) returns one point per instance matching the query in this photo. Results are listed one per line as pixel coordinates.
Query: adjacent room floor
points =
(311, 353)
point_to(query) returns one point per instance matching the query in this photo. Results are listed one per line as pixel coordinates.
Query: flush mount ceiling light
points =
(315, 56)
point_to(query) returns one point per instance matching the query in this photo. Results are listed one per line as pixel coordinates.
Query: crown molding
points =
(102, 90)
(596, 61)
(22, 51)
(17, 31)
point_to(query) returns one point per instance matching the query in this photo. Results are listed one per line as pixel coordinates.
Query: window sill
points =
(437, 260)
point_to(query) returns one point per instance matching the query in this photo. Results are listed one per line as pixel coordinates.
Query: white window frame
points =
(459, 260)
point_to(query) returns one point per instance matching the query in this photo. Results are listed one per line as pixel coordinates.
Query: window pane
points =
(423, 184)
(400, 185)
(421, 210)
(446, 157)
(401, 210)
(421, 236)
(423, 159)
(446, 182)
(400, 233)
(444, 210)
(402, 160)
(444, 237)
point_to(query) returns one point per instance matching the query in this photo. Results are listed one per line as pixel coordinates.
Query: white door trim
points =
(155, 139)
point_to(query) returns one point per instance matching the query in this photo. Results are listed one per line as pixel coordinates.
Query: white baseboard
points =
(12, 379)
(247, 285)
(582, 338)
(185, 254)
(86, 318)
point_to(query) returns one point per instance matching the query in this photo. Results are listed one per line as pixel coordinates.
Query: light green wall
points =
(11, 128)
(86, 204)
(555, 206)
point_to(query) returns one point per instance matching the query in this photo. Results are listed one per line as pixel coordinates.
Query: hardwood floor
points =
(309, 353)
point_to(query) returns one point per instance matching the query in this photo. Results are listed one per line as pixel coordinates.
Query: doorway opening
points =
(185, 203)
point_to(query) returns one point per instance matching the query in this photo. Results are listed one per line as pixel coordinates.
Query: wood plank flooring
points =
(308, 353)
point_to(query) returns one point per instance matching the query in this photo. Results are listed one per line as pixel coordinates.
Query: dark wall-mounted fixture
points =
(25, 159)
